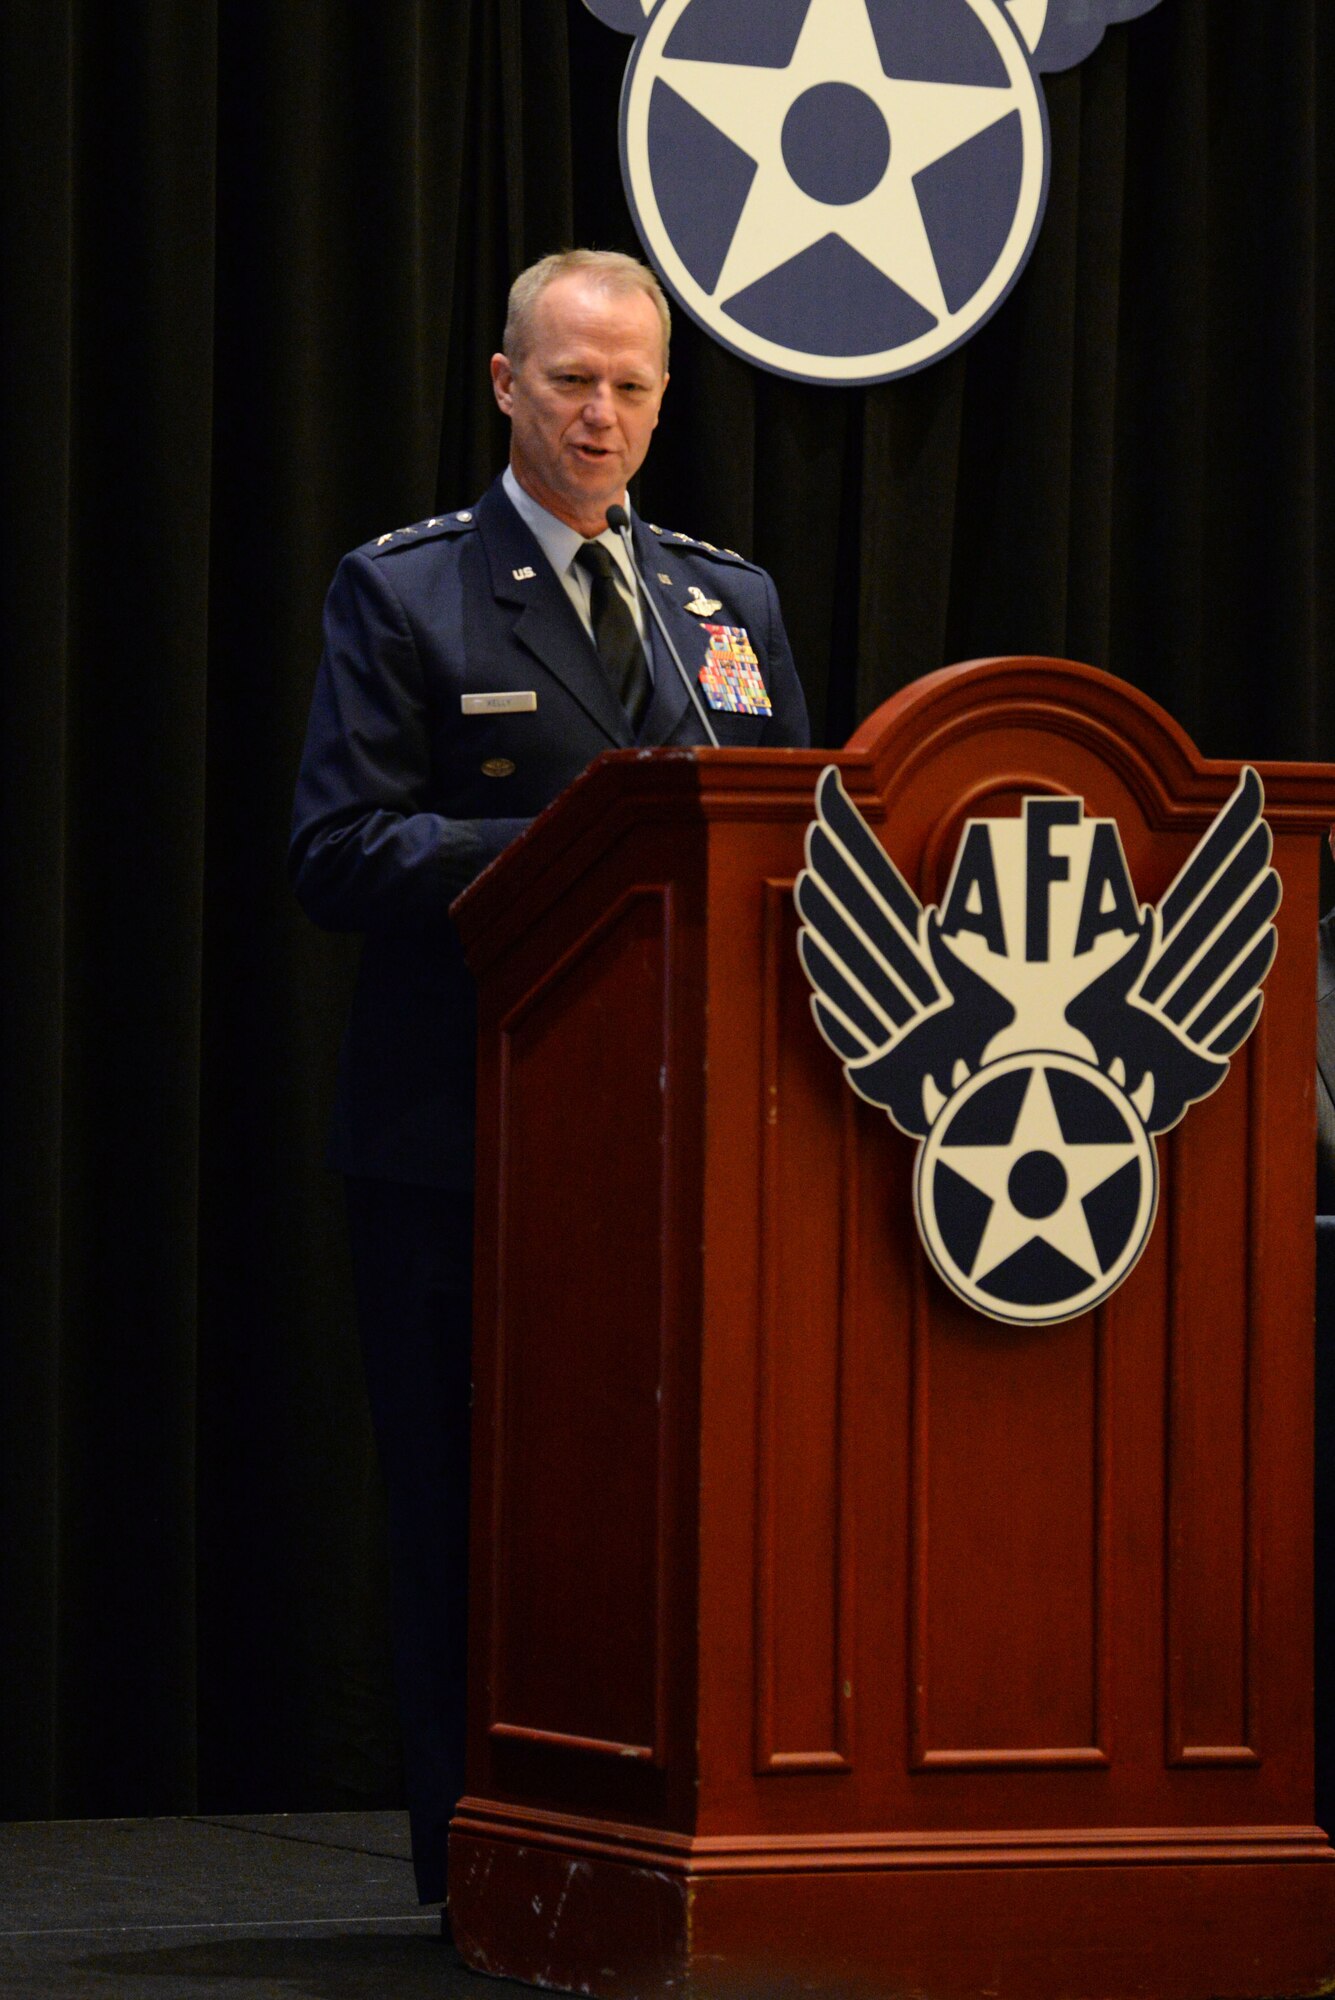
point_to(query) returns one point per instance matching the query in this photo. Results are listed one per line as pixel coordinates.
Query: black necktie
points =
(614, 633)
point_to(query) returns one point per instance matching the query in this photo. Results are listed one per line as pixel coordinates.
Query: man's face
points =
(584, 401)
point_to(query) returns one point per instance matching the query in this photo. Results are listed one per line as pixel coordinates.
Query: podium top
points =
(988, 714)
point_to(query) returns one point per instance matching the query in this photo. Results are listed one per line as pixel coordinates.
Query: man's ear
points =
(502, 382)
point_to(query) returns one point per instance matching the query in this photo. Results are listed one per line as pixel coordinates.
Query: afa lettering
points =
(1042, 868)
(974, 904)
(1109, 903)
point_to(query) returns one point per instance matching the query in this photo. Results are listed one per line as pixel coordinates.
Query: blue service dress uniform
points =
(403, 798)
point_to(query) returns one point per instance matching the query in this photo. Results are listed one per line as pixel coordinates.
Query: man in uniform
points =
(473, 665)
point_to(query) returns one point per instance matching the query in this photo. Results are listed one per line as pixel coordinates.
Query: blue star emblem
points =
(843, 190)
(848, 196)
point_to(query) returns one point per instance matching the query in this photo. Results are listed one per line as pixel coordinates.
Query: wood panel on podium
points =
(827, 1635)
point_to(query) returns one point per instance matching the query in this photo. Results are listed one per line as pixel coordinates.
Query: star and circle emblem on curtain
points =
(843, 191)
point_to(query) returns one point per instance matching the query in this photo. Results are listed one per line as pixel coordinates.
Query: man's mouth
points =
(593, 454)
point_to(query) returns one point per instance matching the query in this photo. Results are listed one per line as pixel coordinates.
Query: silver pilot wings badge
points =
(1036, 1029)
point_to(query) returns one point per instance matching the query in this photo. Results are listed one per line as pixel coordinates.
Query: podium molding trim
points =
(732, 1854)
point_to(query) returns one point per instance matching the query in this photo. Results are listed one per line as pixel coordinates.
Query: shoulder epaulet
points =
(675, 539)
(421, 531)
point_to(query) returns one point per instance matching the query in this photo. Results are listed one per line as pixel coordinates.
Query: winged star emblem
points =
(1037, 1028)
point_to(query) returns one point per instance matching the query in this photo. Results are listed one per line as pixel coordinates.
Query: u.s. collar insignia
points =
(1035, 1030)
(843, 190)
(702, 606)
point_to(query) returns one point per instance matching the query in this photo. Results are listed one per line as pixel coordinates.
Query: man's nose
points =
(598, 408)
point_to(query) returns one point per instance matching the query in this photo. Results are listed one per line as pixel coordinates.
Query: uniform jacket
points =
(402, 799)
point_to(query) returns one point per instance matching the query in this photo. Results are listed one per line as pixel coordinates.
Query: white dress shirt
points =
(561, 544)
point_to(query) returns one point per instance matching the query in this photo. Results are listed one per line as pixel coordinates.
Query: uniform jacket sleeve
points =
(367, 852)
(788, 727)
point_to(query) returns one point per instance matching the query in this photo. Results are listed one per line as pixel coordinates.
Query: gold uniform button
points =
(498, 767)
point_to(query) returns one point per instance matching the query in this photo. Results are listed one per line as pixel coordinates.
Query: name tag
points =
(520, 703)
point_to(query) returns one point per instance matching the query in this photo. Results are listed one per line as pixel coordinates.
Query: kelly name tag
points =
(730, 676)
(520, 703)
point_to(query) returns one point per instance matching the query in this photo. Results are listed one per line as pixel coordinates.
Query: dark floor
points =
(282, 1907)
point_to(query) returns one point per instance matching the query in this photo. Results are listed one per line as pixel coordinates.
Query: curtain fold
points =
(254, 259)
(37, 345)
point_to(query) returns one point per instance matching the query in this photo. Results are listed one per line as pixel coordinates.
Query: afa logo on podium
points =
(1038, 1029)
(843, 190)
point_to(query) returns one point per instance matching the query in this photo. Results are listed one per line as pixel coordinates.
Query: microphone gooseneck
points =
(618, 520)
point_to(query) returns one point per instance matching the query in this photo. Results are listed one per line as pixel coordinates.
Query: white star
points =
(1029, 17)
(1040, 990)
(926, 122)
(988, 1168)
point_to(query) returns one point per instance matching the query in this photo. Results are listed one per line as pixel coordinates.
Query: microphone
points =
(618, 520)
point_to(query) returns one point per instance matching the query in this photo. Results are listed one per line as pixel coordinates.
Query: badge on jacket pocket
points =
(730, 676)
(522, 702)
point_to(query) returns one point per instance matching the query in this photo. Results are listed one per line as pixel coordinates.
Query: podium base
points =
(1232, 1913)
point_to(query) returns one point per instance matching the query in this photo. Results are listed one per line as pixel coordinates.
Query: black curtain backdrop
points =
(254, 258)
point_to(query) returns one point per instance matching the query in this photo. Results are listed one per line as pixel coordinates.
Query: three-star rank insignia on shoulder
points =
(676, 536)
(430, 530)
(1036, 1029)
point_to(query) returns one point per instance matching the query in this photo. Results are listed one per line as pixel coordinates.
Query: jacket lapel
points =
(670, 716)
(546, 623)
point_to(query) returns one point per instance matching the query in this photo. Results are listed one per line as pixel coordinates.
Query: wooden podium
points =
(828, 1637)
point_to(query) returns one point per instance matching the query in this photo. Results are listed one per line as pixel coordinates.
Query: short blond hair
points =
(610, 269)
